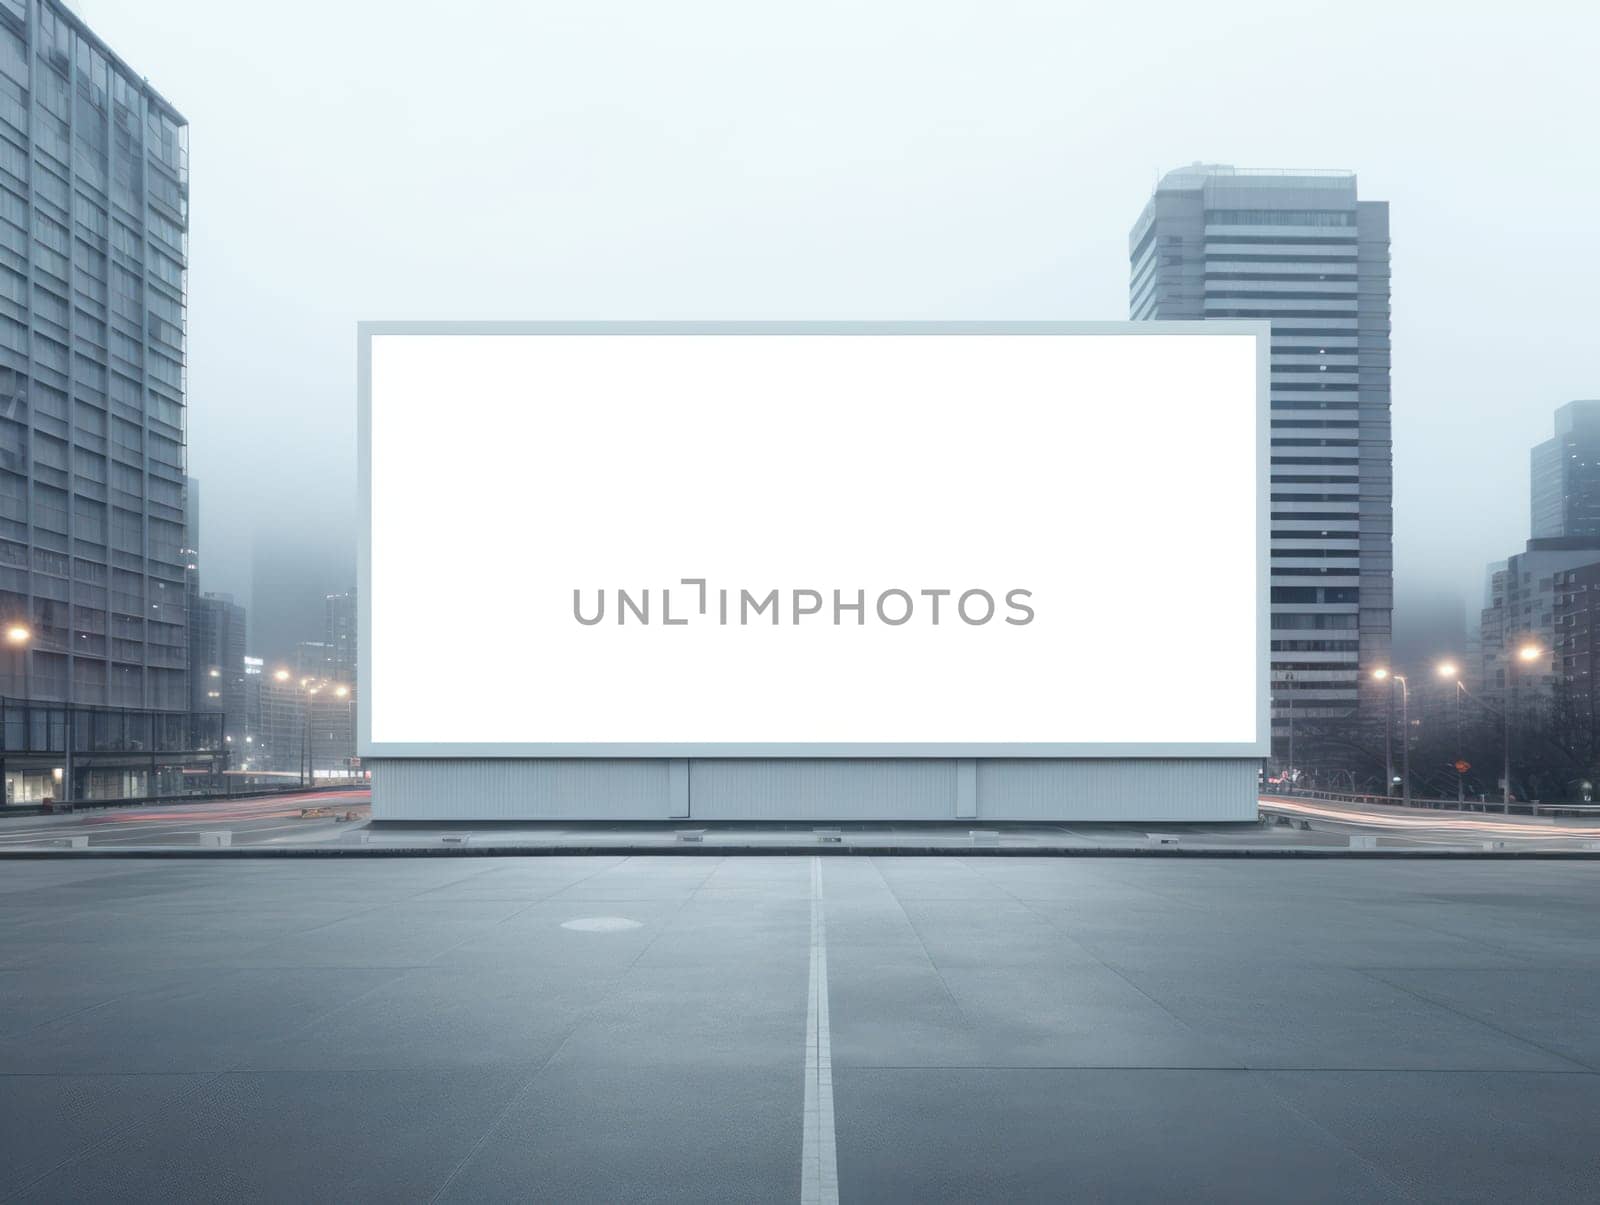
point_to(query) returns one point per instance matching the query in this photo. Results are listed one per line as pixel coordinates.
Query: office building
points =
(332, 731)
(1577, 651)
(1532, 638)
(93, 231)
(1536, 661)
(1564, 477)
(1301, 250)
(282, 742)
(93, 562)
(216, 659)
(313, 659)
(1519, 613)
(246, 748)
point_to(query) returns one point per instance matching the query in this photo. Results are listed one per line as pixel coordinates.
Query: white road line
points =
(819, 1163)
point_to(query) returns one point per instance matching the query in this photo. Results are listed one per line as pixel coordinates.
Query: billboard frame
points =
(1260, 747)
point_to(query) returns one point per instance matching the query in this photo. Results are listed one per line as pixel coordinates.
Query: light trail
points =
(1440, 823)
(154, 821)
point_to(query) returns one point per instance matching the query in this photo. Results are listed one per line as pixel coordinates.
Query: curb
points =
(789, 851)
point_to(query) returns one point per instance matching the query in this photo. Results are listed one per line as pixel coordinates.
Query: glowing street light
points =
(1526, 654)
(1451, 671)
(280, 675)
(1382, 675)
(18, 633)
(1405, 736)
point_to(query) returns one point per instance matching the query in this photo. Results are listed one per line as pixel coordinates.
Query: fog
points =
(724, 159)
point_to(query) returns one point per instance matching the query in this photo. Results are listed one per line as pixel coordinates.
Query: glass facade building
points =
(94, 676)
(1564, 480)
(1300, 250)
(341, 637)
(93, 250)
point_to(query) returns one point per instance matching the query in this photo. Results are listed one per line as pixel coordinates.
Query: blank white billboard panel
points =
(845, 541)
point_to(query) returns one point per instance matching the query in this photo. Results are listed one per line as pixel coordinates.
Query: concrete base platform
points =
(816, 789)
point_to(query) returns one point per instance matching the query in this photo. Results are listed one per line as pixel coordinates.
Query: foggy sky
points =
(734, 159)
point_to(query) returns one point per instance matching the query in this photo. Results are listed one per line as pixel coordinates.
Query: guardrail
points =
(1531, 807)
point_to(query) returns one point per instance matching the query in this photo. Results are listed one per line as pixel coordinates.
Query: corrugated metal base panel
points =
(822, 789)
(488, 788)
(1177, 789)
(1172, 789)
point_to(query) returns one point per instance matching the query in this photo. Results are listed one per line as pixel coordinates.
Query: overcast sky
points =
(888, 159)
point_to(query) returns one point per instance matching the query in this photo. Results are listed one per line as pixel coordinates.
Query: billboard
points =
(873, 540)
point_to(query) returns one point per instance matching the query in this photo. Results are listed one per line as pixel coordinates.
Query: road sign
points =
(1462, 765)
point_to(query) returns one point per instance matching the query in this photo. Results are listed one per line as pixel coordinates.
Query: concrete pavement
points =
(616, 1028)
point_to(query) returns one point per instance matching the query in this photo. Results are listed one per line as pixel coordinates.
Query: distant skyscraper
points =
(292, 574)
(1300, 250)
(341, 636)
(1536, 598)
(249, 751)
(337, 751)
(312, 659)
(93, 248)
(1565, 476)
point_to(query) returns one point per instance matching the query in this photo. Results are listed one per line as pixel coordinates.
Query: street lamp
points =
(310, 777)
(1527, 653)
(342, 692)
(1448, 669)
(1405, 737)
(1382, 675)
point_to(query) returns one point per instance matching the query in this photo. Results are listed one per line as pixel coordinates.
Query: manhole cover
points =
(600, 924)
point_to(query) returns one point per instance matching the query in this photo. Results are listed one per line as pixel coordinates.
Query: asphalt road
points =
(1397, 826)
(277, 821)
(770, 1029)
(260, 819)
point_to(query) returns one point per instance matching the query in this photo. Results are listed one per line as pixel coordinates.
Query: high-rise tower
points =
(1298, 249)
